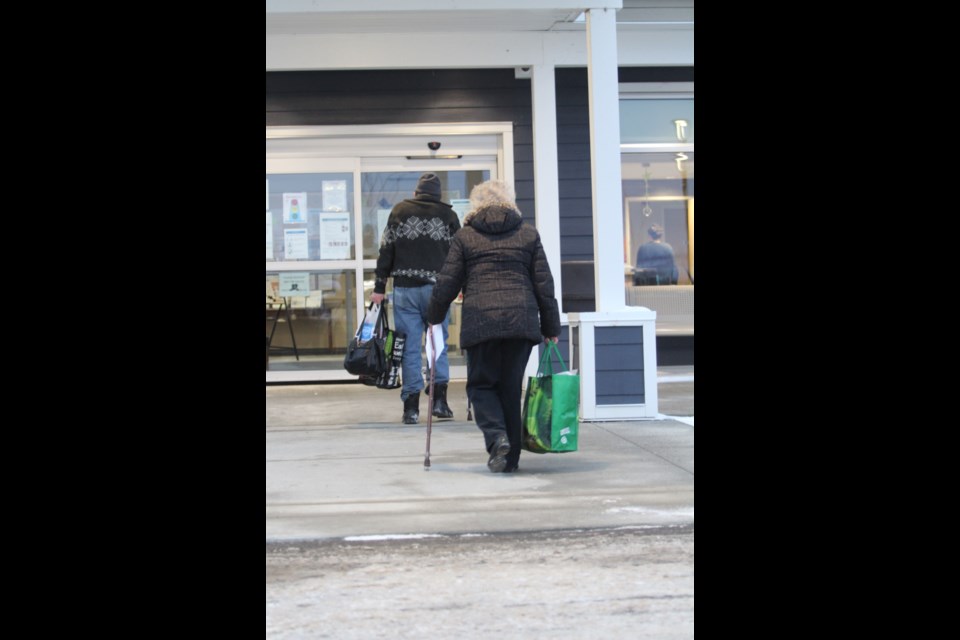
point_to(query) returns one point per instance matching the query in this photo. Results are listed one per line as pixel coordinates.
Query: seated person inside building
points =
(655, 260)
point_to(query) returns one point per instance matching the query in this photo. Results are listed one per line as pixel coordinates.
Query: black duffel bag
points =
(367, 351)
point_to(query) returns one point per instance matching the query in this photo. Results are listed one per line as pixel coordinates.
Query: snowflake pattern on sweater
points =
(415, 242)
(423, 274)
(413, 227)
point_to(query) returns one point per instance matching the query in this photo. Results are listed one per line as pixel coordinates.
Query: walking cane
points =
(469, 412)
(433, 375)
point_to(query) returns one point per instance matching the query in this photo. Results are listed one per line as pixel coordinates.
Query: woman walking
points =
(508, 307)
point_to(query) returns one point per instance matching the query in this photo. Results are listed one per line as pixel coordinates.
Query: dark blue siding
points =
(619, 365)
(307, 98)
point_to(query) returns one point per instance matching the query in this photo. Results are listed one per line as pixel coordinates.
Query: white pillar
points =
(546, 180)
(604, 99)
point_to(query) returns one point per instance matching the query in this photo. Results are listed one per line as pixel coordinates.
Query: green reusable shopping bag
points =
(550, 407)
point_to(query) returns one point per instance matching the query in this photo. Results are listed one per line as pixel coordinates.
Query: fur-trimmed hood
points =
(495, 218)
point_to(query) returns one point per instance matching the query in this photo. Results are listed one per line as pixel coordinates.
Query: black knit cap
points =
(430, 184)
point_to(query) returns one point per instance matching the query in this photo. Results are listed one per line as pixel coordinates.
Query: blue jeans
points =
(410, 317)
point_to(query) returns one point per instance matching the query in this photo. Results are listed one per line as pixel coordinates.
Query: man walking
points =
(413, 248)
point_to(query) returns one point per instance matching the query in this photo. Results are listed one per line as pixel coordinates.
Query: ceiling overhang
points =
(310, 17)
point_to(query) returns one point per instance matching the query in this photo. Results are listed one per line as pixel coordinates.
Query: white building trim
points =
(604, 98)
(470, 50)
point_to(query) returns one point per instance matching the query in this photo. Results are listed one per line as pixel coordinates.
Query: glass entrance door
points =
(312, 261)
(381, 190)
(322, 243)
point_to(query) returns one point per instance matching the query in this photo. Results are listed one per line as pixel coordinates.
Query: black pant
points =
(494, 379)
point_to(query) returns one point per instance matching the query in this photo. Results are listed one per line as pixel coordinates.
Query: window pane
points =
(655, 120)
(658, 191)
(381, 190)
(658, 237)
(310, 318)
(309, 216)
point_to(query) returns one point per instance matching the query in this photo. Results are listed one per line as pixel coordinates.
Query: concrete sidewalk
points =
(340, 464)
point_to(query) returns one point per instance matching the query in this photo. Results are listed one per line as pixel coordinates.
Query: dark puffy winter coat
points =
(507, 286)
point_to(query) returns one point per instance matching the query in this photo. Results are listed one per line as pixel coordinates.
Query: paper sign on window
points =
(334, 195)
(269, 235)
(295, 244)
(461, 206)
(294, 284)
(334, 236)
(383, 215)
(295, 207)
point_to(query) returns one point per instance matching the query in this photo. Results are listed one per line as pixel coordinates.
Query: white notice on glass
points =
(334, 195)
(437, 334)
(383, 215)
(295, 244)
(295, 207)
(334, 236)
(269, 235)
(461, 206)
(294, 284)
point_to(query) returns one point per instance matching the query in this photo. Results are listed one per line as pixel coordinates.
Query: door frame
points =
(367, 148)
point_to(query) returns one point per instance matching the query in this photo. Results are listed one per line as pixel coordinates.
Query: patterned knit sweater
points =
(415, 242)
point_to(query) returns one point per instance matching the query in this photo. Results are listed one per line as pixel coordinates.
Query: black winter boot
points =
(498, 454)
(411, 408)
(440, 407)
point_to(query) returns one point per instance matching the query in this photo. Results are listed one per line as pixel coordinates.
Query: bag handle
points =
(547, 362)
(383, 322)
(382, 325)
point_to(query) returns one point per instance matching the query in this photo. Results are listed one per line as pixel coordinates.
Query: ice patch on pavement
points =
(399, 536)
(650, 526)
(674, 379)
(687, 513)
(684, 419)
